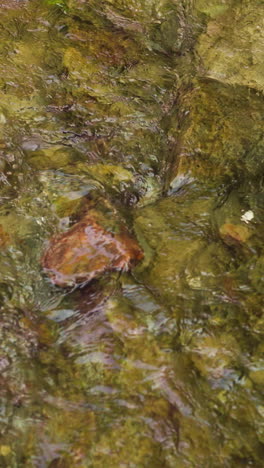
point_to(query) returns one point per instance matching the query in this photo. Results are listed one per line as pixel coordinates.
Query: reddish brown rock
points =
(87, 250)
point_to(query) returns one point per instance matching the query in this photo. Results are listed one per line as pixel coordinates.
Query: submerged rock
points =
(232, 233)
(221, 136)
(87, 250)
(231, 49)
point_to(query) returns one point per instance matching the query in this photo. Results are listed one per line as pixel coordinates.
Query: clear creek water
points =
(156, 107)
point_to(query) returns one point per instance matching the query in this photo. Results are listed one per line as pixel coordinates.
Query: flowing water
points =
(156, 107)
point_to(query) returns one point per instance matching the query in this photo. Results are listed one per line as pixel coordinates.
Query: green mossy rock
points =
(87, 75)
(256, 274)
(144, 452)
(232, 48)
(257, 376)
(179, 263)
(222, 136)
(69, 206)
(108, 174)
(213, 355)
(212, 8)
(107, 47)
(54, 157)
(162, 26)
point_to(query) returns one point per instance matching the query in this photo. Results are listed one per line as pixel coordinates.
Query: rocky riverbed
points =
(131, 233)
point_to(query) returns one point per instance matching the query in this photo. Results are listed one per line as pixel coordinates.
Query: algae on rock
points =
(222, 135)
(232, 48)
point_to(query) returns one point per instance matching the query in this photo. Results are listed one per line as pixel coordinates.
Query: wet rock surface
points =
(162, 367)
(232, 28)
(87, 250)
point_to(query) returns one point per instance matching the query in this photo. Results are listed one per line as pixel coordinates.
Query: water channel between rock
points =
(139, 123)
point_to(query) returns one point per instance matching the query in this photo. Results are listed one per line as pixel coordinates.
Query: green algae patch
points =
(145, 449)
(173, 256)
(256, 274)
(87, 76)
(55, 157)
(212, 8)
(108, 174)
(257, 376)
(69, 206)
(79, 66)
(213, 356)
(58, 3)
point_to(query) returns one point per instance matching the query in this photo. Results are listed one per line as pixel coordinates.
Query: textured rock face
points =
(222, 135)
(87, 250)
(232, 48)
(222, 129)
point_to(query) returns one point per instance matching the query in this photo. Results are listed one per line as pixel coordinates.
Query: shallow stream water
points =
(156, 107)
